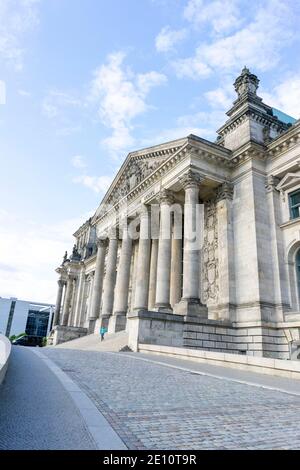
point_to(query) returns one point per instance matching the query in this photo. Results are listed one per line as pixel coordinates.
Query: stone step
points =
(113, 342)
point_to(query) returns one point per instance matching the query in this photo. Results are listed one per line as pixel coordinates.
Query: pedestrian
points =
(102, 332)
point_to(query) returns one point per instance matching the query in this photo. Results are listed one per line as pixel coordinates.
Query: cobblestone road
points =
(156, 407)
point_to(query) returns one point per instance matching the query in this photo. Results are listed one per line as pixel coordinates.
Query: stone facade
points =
(194, 244)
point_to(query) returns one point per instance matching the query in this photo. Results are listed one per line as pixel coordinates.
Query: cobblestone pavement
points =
(156, 407)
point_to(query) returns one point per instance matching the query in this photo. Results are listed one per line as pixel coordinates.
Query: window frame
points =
(295, 206)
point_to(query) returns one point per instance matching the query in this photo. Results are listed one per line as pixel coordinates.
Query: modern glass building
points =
(21, 316)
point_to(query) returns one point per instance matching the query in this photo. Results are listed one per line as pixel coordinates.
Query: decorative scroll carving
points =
(210, 272)
(166, 197)
(271, 183)
(225, 191)
(190, 179)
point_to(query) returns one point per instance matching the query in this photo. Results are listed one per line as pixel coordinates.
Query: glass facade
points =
(37, 323)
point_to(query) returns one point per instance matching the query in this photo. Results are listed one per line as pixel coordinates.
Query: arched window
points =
(297, 266)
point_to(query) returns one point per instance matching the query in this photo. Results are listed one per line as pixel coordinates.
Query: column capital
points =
(113, 232)
(101, 242)
(166, 197)
(225, 191)
(190, 179)
(271, 183)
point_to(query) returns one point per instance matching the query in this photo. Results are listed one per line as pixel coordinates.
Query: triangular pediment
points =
(288, 181)
(137, 167)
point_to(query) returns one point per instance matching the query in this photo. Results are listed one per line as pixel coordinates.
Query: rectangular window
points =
(294, 200)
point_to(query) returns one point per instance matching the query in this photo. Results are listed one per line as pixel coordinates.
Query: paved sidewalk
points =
(155, 406)
(35, 410)
(271, 382)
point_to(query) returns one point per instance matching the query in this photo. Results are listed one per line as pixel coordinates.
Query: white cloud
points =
(56, 100)
(222, 15)
(258, 44)
(285, 96)
(27, 268)
(167, 39)
(24, 93)
(17, 17)
(120, 96)
(222, 97)
(191, 67)
(99, 184)
(78, 161)
(202, 124)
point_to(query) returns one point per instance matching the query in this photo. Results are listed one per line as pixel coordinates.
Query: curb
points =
(101, 431)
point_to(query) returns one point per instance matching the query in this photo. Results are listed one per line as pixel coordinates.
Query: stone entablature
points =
(235, 268)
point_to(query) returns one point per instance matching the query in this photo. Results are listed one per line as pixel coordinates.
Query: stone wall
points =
(253, 340)
(267, 340)
(61, 334)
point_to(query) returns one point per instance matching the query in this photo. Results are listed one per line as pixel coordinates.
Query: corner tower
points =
(250, 120)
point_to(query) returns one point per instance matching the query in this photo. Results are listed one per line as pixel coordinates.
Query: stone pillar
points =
(96, 294)
(67, 302)
(176, 267)
(80, 295)
(190, 302)
(162, 301)
(153, 273)
(117, 321)
(135, 253)
(281, 285)
(109, 281)
(72, 304)
(56, 318)
(143, 262)
(225, 253)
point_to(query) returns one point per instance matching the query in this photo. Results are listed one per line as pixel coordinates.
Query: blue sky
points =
(84, 82)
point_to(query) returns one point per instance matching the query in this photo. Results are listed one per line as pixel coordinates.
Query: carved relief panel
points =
(210, 274)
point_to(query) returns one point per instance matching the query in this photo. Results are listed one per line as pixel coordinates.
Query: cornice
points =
(207, 150)
(286, 141)
(247, 152)
(162, 150)
(251, 112)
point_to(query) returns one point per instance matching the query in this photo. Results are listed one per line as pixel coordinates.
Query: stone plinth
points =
(61, 334)
(149, 327)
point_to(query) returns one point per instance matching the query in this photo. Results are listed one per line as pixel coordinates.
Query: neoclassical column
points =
(110, 279)
(176, 264)
(117, 321)
(153, 274)
(80, 295)
(190, 302)
(67, 302)
(72, 303)
(143, 262)
(96, 294)
(162, 300)
(56, 318)
(225, 252)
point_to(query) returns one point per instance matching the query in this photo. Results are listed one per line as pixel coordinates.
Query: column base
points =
(117, 322)
(90, 325)
(165, 308)
(191, 307)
